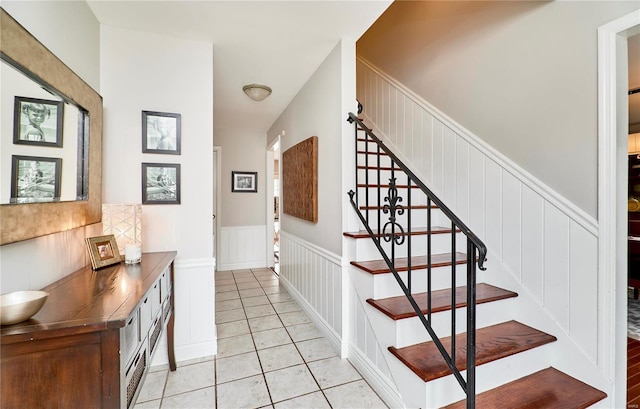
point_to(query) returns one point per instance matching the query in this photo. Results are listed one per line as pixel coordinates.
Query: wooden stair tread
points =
(398, 308)
(417, 263)
(545, 389)
(492, 343)
(416, 231)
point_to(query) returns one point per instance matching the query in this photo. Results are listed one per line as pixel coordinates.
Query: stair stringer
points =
(365, 352)
(565, 355)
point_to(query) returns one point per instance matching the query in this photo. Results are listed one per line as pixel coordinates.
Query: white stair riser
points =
(385, 285)
(411, 331)
(446, 390)
(419, 218)
(379, 286)
(440, 244)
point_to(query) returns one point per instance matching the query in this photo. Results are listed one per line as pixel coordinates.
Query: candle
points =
(132, 253)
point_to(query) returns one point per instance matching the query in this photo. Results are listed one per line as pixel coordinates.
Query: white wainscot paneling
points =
(242, 247)
(313, 276)
(556, 265)
(194, 331)
(583, 291)
(511, 223)
(532, 242)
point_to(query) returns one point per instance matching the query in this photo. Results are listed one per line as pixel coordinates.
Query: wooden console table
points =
(91, 344)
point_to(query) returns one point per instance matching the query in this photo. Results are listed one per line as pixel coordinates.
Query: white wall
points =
(242, 151)
(520, 75)
(143, 71)
(70, 31)
(242, 236)
(312, 263)
(320, 109)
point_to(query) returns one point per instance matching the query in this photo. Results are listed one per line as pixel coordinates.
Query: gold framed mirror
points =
(25, 221)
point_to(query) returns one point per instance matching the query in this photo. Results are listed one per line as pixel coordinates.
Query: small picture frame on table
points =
(35, 179)
(161, 132)
(37, 122)
(244, 182)
(103, 251)
(160, 183)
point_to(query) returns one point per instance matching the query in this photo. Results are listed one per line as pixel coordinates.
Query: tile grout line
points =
(295, 345)
(271, 303)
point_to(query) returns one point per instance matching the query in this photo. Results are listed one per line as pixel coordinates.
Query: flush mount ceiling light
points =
(257, 92)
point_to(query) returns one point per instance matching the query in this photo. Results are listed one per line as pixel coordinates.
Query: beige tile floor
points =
(270, 355)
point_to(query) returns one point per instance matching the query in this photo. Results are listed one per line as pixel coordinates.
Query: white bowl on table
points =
(19, 306)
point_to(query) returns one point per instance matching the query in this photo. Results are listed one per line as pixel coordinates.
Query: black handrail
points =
(397, 237)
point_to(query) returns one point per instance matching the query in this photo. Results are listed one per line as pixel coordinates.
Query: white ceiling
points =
(276, 43)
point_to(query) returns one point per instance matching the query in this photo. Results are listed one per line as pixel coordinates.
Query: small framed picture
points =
(160, 132)
(160, 183)
(37, 122)
(103, 251)
(35, 179)
(244, 181)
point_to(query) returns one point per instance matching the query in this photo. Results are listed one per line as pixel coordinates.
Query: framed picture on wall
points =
(35, 179)
(244, 182)
(37, 122)
(160, 132)
(160, 183)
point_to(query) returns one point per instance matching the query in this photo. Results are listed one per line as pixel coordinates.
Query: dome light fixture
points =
(257, 92)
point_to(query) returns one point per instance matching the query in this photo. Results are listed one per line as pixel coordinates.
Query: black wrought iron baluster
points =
(366, 174)
(471, 324)
(453, 292)
(379, 202)
(409, 273)
(394, 209)
(429, 258)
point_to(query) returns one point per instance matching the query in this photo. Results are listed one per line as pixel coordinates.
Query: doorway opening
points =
(633, 243)
(613, 216)
(274, 204)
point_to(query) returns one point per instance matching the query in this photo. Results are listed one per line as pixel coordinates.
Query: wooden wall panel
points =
(300, 180)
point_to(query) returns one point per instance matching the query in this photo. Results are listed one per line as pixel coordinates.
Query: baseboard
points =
(377, 380)
(324, 328)
(242, 266)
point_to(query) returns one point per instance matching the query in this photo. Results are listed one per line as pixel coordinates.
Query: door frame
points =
(269, 197)
(612, 194)
(217, 172)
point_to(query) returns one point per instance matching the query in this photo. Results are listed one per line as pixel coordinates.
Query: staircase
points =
(417, 265)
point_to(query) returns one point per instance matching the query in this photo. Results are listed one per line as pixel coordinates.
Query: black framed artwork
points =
(244, 181)
(161, 132)
(160, 183)
(35, 179)
(37, 122)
